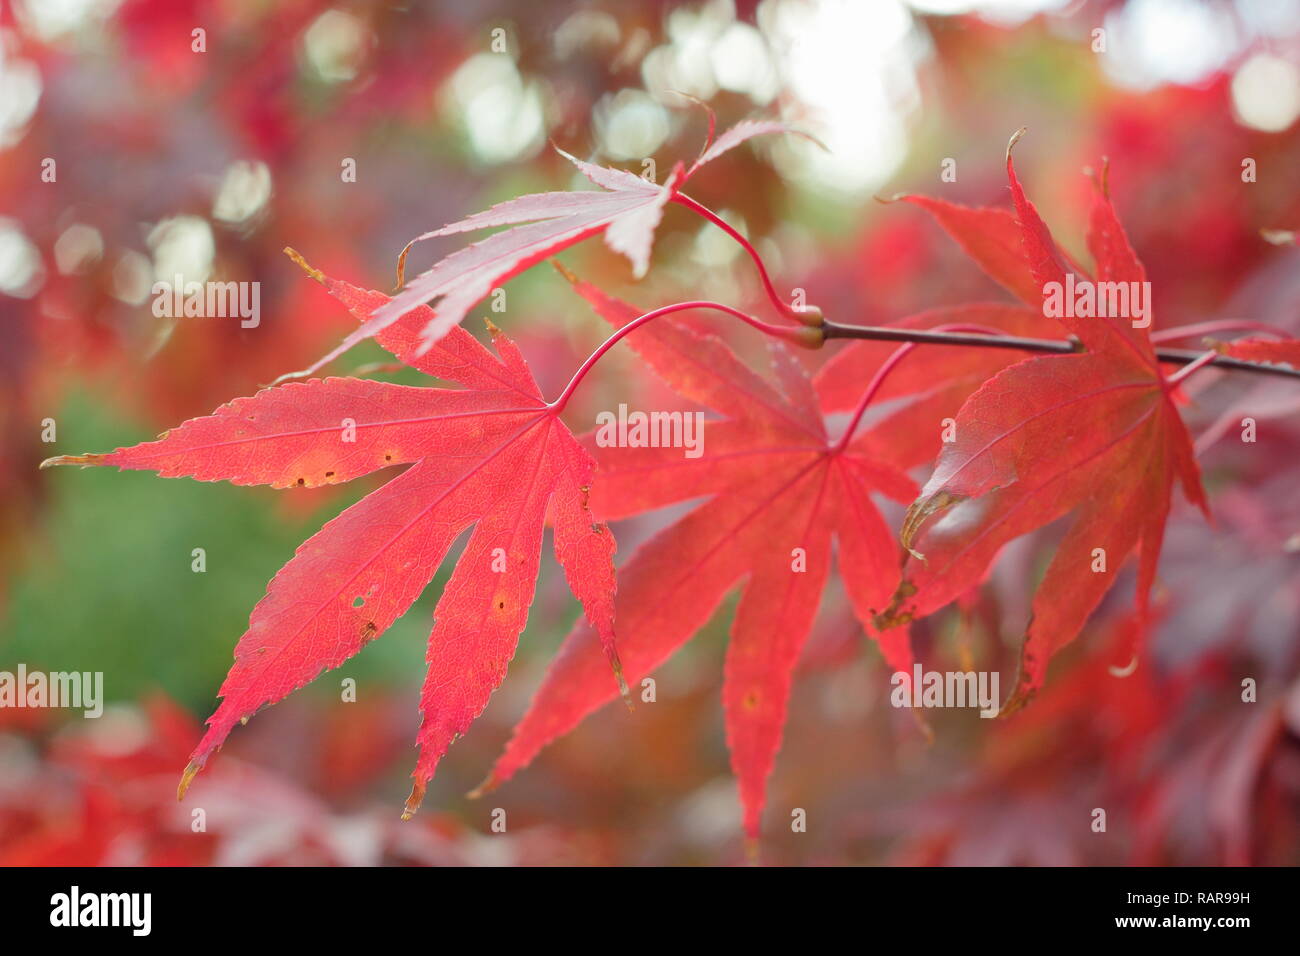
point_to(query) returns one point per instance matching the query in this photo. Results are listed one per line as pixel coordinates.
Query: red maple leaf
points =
(492, 454)
(778, 491)
(626, 208)
(1094, 435)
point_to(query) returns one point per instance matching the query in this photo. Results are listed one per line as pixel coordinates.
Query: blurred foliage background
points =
(171, 161)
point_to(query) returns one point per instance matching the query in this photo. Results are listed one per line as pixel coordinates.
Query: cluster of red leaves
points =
(1094, 435)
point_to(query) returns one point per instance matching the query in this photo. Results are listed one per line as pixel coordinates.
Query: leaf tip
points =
(711, 116)
(304, 265)
(1015, 138)
(1023, 693)
(83, 460)
(919, 513)
(288, 376)
(1100, 178)
(187, 777)
(486, 787)
(623, 691)
(1125, 671)
(811, 138)
(415, 799)
(401, 265)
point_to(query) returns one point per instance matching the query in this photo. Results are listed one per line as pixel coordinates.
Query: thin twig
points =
(833, 330)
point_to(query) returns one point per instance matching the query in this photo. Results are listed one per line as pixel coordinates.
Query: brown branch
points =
(877, 333)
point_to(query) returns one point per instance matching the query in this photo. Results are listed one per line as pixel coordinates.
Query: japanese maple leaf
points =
(491, 454)
(777, 492)
(626, 208)
(1094, 435)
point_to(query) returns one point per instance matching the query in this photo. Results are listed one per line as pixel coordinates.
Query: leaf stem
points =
(800, 336)
(1189, 368)
(975, 332)
(785, 309)
(1050, 346)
